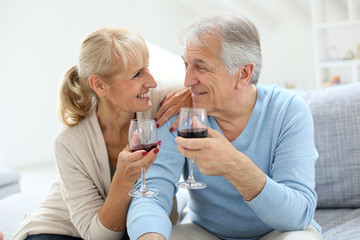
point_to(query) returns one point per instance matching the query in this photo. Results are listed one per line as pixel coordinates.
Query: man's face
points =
(211, 86)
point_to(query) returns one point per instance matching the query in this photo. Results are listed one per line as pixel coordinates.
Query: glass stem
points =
(191, 172)
(143, 187)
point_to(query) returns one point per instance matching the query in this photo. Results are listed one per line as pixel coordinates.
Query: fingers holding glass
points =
(143, 136)
(192, 124)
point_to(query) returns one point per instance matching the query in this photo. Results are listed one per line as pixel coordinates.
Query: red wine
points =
(193, 133)
(146, 147)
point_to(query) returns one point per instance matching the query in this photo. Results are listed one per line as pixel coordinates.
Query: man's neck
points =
(233, 121)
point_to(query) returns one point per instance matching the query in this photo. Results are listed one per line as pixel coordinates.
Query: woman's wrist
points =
(126, 183)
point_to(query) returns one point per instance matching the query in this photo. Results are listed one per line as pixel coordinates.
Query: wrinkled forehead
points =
(207, 46)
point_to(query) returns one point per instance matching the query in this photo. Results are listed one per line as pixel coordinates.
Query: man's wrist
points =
(151, 236)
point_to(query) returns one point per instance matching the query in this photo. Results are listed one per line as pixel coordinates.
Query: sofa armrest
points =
(14, 208)
(9, 183)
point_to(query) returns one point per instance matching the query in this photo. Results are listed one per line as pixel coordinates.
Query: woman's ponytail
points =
(75, 98)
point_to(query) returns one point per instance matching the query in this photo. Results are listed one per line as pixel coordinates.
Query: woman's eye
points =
(137, 75)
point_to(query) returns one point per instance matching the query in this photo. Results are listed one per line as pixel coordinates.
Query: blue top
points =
(279, 139)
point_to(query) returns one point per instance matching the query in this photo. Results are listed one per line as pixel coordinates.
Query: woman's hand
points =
(113, 213)
(171, 106)
(129, 163)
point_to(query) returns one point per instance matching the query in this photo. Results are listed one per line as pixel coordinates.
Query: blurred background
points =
(306, 44)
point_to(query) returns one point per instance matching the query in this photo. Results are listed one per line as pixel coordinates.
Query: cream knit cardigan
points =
(71, 206)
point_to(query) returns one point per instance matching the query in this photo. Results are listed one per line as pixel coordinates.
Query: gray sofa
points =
(336, 114)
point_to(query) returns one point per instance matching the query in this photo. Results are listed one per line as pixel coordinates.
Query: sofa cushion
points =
(336, 114)
(340, 223)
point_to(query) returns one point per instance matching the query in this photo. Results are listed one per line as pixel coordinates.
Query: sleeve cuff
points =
(270, 200)
(148, 222)
(105, 233)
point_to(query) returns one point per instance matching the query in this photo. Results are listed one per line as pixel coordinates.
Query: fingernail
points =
(156, 150)
(171, 129)
(159, 143)
(143, 153)
(157, 125)
(155, 119)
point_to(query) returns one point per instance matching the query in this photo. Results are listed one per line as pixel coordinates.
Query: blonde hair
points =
(106, 53)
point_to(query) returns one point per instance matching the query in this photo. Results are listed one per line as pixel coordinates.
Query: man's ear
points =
(97, 84)
(244, 75)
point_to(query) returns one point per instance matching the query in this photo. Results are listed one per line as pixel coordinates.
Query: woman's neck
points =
(113, 121)
(115, 129)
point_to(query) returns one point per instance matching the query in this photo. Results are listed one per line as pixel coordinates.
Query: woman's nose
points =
(150, 81)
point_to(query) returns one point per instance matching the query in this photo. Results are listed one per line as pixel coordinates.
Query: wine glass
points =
(193, 123)
(142, 136)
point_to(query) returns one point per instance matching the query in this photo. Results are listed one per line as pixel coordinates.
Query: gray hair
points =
(239, 37)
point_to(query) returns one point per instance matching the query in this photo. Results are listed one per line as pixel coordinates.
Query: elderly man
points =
(257, 160)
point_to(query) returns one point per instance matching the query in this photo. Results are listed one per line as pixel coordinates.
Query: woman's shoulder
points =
(67, 133)
(87, 126)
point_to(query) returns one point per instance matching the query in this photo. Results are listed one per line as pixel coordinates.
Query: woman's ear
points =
(97, 84)
(244, 75)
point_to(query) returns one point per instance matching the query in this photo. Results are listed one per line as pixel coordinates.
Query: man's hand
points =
(215, 155)
(172, 104)
(151, 236)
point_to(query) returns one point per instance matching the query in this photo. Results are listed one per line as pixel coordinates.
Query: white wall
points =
(39, 41)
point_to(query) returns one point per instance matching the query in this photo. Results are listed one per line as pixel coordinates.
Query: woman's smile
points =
(144, 95)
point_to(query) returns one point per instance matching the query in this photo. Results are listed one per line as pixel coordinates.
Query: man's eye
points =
(200, 67)
(186, 65)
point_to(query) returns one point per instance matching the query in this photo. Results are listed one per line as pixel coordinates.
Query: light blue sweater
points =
(279, 140)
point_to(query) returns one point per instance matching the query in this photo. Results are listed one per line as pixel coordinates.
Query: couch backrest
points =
(336, 114)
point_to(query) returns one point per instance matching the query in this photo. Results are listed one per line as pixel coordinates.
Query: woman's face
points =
(129, 91)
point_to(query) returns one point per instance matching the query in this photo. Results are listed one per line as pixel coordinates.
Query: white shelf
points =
(325, 26)
(339, 63)
(345, 35)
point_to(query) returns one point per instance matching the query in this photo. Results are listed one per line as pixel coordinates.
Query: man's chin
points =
(198, 105)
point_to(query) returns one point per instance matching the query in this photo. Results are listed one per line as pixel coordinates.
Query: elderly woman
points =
(98, 98)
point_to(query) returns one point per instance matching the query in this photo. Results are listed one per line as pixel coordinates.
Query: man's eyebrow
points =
(195, 61)
(199, 61)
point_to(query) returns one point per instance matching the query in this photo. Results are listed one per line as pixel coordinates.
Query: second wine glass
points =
(193, 123)
(142, 136)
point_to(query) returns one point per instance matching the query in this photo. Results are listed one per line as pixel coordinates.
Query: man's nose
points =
(190, 78)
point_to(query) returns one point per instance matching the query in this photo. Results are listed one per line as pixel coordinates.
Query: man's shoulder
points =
(275, 91)
(279, 99)
(164, 129)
